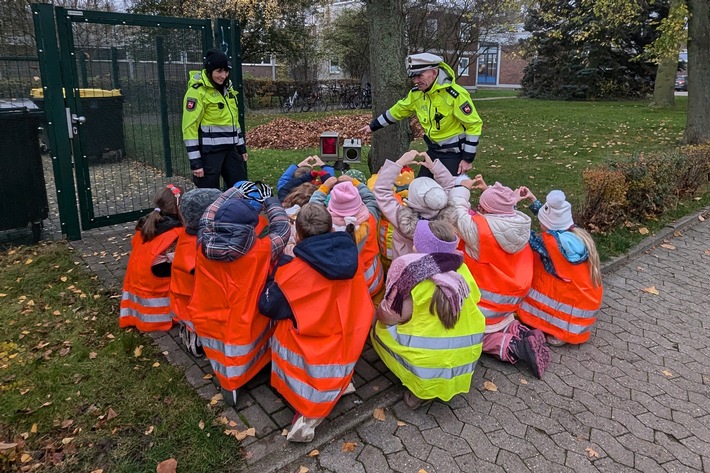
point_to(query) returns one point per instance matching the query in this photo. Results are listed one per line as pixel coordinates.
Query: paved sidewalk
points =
(636, 397)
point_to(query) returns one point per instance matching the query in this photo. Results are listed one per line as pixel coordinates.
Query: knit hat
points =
(356, 174)
(237, 211)
(499, 200)
(426, 197)
(556, 214)
(345, 201)
(216, 59)
(194, 203)
(426, 242)
(421, 62)
(252, 197)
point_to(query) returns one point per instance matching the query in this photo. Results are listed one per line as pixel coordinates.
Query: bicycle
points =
(314, 101)
(291, 102)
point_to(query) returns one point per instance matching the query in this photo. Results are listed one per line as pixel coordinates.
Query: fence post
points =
(116, 70)
(164, 124)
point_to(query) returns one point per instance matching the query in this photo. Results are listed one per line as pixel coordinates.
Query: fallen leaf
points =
(5, 447)
(156, 364)
(63, 279)
(313, 453)
(284, 432)
(643, 231)
(100, 470)
(111, 414)
(67, 440)
(401, 424)
(489, 386)
(138, 351)
(201, 425)
(167, 466)
(56, 312)
(700, 217)
(591, 453)
(232, 423)
(677, 233)
(215, 399)
(207, 376)
(651, 290)
(668, 246)
(707, 252)
(93, 355)
(422, 470)
(110, 336)
(667, 373)
(523, 381)
(150, 430)
(64, 351)
(349, 446)
(28, 261)
(34, 428)
(67, 423)
(303, 469)
(379, 414)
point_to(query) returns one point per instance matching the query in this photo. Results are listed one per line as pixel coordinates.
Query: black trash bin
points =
(103, 132)
(23, 194)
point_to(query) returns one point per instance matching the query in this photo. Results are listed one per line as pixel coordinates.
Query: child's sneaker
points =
(230, 397)
(554, 341)
(194, 345)
(533, 351)
(303, 429)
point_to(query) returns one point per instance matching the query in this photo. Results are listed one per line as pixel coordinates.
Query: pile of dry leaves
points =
(284, 133)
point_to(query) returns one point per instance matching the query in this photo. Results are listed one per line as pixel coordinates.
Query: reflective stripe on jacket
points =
(182, 278)
(313, 362)
(564, 308)
(503, 278)
(370, 258)
(145, 303)
(430, 360)
(235, 336)
(210, 119)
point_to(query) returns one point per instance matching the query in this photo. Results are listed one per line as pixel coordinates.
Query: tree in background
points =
(347, 39)
(665, 50)
(590, 49)
(697, 126)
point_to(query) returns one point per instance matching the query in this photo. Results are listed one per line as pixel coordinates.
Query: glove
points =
(264, 191)
(245, 187)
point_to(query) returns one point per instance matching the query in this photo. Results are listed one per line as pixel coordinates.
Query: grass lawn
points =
(79, 394)
(483, 93)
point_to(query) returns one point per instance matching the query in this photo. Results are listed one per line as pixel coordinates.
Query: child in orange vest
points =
(321, 300)
(354, 209)
(295, 175)
(182, 281)
(566, 290)
(145, 303)
(292, 203)
(495, 243)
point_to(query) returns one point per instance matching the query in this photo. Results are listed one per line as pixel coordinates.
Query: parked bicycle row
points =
(328, 97)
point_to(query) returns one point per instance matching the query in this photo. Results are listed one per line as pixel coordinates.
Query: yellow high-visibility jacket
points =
(446, 113)
(210, 119)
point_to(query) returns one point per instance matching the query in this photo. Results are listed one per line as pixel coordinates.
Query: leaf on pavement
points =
(677, 233)
(643, 231)
(207, 376)
(216, 398)
(523, 381)
(401, 424)
(668, 246)
(667, 373)
(490, 386)
(313, 453)
(379, 414)
(167, 466)
(651, 290)
(422, 470)
(591, 453)
(700, 217)
(348, 447)
(303, 469)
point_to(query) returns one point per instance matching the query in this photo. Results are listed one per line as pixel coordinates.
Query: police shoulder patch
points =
(196, 86)
(191, 104)
(466, 108)
(454, 93)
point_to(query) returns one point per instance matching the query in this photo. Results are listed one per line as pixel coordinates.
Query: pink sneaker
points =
(534, 351)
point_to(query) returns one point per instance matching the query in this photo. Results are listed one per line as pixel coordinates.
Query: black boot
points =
(533, 351)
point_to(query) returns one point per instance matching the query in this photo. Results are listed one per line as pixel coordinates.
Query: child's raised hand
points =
(317, 161)
(479, 183)
(344, 178)
(427, 163)
(410, 157)
(305, 162)
(524, 193)
(330, 182)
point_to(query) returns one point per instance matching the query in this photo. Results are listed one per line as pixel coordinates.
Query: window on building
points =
(465, 32)
(334, 66)
(432, 25)
(463, 66)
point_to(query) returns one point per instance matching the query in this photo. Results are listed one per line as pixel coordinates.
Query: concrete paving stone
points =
(257, 418)
(405, 463)
(508, 420)
(653, 406)
(612, 448)
(588, 386)
(664, 426)
(195, 376)
(697, 446)
(479, 443)
(442, 461)
(558, 385)
(543, 423)
(631, 422)
(677, 467)
(471, 463)
(283, 418)
(446, 418)
(541, 464)
(511, 462)
(579, 463)
(419, 418)
(534, 402)
(473, 417)
(648, 464)
(571, 443)
(546, 446)
(667, 386)
(365, 370)
(413, 441)
(612, 386)
(571, 423)
(381, 434)
(595, 421)
(373, 460)
(341, 462)
(696, 427)
(572, 406)
(309, 462)
(698, 404)
(608, 465)
(269, 400)
(679, 451)
(576, 366)
(357, 380)
(369, 354)
(244, 399)
(451, 443)
(520, 446)
(593, 404)
(457, 402)
(207, 392)
(345, 404)
(373, 387)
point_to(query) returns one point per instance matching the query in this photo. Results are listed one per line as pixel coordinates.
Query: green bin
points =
(102, 134)
(23, 194)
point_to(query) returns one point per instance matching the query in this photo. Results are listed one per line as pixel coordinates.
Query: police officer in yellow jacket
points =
(210, 125)
(444, 109)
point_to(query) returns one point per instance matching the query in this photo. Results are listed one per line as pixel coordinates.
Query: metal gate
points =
(113, 85)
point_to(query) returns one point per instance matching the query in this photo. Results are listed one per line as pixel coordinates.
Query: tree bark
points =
(664, 87)
(697, 125)
(389, 80)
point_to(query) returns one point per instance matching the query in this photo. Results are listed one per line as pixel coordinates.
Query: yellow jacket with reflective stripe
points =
(430, 360)
(210, 119)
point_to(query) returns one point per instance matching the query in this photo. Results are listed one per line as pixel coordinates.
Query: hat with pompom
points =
(556, 214)
(499, 200)
(356, 174)
(426, 197)
(193, 205)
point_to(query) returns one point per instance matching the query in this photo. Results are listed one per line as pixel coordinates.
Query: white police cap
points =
(417, 63)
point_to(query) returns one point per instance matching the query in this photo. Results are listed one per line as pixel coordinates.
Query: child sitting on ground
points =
(145, 303)
(496, 251)
(294, 175)
(324, 310)
(292, 204)
(566, 290)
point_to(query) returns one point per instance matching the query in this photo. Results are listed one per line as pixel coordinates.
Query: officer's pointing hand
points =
(464, 166)
(366, 129)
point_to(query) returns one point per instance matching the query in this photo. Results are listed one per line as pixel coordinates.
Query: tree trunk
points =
(697, 125)
(389, 79)
(664, 87)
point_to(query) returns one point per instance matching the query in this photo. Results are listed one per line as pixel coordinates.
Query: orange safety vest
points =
(503, 278)
(370, 259)
(225, 314)
(567, 308)
(312, 363)
(182, 278)
(145, 303)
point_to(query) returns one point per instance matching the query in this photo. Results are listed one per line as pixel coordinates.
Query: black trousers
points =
(450, 160)
(227, 163)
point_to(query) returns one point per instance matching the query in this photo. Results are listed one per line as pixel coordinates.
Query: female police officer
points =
(210, 125)
(444, 109)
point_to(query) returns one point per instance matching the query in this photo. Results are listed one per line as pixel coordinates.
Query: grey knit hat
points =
(194, 203)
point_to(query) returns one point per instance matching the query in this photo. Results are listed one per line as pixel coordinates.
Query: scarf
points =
(409, 270)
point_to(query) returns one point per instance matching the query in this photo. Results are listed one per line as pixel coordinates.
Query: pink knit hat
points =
(499, 200)
(344, 202)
